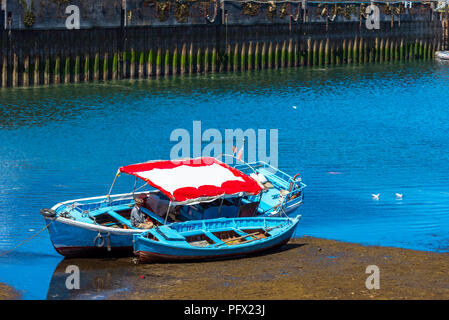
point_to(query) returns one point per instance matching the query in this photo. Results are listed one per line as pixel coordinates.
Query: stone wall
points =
(306, 36)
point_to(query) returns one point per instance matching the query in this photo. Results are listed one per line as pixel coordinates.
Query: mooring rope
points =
(25, 241)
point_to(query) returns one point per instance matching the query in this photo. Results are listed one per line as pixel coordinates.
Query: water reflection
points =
(98, 279)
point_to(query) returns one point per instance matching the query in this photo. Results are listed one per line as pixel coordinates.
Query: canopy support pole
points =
(135, 184)
(221, 205)
(168, 210)
(113, 182)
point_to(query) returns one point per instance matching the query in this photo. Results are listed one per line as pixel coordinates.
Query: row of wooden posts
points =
(188, 59)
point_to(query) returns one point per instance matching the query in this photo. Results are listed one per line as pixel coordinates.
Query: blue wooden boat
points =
(213, 239)
(101, 225)
(282, 193)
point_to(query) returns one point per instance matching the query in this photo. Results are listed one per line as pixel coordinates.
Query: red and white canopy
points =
(202, 179)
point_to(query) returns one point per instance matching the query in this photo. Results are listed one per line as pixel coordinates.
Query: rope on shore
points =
(25, 241)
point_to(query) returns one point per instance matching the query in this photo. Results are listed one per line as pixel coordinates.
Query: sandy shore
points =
(8, 293)
(306, 268)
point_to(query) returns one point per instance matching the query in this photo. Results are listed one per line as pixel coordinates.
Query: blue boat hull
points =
(77, 240)
(157, 251)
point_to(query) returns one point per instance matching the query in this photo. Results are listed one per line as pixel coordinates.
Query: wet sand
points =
(305, 268)
(8, 293)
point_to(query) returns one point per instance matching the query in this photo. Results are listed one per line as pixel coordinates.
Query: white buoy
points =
(375, 196)
(294, 107)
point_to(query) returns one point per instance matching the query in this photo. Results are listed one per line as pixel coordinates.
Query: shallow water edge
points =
(8, 293)
(305, 268)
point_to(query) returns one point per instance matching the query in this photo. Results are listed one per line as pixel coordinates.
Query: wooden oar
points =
(247, 235)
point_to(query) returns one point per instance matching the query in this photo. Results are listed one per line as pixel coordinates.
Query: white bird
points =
(294, 107)
(375, 196)
(399, 195)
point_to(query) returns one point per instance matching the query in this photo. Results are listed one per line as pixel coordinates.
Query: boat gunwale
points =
(95, 227)
(183, 244)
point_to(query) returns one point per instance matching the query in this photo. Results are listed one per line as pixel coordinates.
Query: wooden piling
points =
(270, 56)
(26, 72)
(15, 71)
(229, 58)
(4, 72)
(392, 43)
(425, 50)
(150, 69)
(421, 49)
(167, 63)
(198, 60)
(213, 60)
(276, 55)
(57, 70)
(296, 54)
(350, 48)
(96, 67)
(396, 50)
(86, 68)
(410, 51)
(183, 59)
(365, 51)
(159, 62)
(283, 55)
(290, 54)
(235, 60)
(387, 50)
(381, 51)
(174, 66)
(67, 72)
(47, 71)
(320, 53)
(416, 49)
(106, 66)
(191, 58)
(309, 52)
(206, 60)
(332, 54)
(257, 56)
(355, 51)
(377, 50)
(250, 56)
(263, 59)
(132, 64)
(115, 66)
(243, 57)
(124, 65)
(141, 65)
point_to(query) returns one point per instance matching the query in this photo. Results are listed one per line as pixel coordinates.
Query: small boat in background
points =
(282, 193)
(213, 239)
(442, 55)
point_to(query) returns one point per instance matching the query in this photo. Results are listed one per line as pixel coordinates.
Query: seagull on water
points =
(375, 196)
(399, 196)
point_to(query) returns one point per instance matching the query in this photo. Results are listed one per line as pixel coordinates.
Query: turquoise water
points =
(355, 131)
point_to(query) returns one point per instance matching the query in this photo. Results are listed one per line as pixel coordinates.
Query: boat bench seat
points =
(152, 215)
(100, 211)
(211, 236)
(170, 234)
(122, 220)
